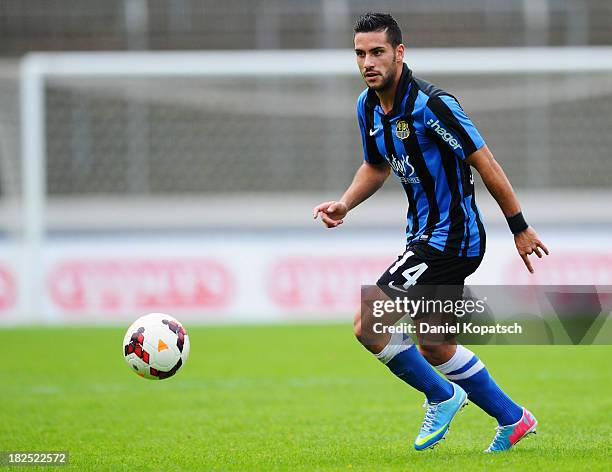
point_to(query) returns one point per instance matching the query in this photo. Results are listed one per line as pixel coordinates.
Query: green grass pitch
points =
(286, 397)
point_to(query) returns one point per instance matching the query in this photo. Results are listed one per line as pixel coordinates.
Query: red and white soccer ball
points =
(156, 346)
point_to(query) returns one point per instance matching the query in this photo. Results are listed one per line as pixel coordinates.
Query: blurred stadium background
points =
(193, 194)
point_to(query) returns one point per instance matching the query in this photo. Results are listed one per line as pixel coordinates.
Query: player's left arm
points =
(446, 119)
(526, 239)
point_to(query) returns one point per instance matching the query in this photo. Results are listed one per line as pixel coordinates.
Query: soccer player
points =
(422, 134)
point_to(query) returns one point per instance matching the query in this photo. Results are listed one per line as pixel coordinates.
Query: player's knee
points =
(373, 345)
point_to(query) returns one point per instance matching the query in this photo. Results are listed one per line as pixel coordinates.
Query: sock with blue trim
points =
(404, 359)
(466, 370)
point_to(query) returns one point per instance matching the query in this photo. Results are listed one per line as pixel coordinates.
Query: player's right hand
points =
(332, 213)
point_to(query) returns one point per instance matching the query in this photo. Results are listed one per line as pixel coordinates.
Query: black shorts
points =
(422, 264)
(424, 272)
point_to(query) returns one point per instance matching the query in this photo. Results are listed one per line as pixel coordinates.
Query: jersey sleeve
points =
(371, 154)
(447, 120)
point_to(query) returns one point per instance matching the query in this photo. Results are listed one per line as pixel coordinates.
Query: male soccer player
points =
(421, 133)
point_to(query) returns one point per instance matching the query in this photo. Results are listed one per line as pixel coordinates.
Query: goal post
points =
(37, 69)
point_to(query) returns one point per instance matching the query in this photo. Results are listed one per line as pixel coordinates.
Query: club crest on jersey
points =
(402, 130)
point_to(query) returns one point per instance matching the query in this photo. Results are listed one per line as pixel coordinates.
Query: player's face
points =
(377, 59)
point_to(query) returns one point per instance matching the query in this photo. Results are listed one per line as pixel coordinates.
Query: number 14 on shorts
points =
(411, 274)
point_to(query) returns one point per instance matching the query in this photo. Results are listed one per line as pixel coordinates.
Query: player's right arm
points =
(368, 179)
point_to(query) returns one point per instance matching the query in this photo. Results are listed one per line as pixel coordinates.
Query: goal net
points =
(179, 141)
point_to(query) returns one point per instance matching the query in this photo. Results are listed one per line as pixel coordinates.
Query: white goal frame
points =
(36, 68)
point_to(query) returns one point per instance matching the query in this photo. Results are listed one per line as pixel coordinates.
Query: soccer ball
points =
(155, 346)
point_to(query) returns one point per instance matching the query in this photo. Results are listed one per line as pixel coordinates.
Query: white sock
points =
(396, 344)
(461, 357)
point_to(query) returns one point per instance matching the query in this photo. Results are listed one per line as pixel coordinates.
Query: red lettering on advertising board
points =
(7, 289)
(322, 283)
(565, 268)
(139, 285)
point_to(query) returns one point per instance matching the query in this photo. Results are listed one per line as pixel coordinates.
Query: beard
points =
(386, 83)
(387, 79)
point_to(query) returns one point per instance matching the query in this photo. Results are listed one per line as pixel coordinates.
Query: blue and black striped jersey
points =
(426, 139)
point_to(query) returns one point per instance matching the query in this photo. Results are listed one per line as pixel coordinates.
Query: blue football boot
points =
(438, 418)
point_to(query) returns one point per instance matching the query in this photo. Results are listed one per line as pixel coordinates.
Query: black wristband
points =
(517, 223)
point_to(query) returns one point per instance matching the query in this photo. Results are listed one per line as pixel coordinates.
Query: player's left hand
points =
(527, 243)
